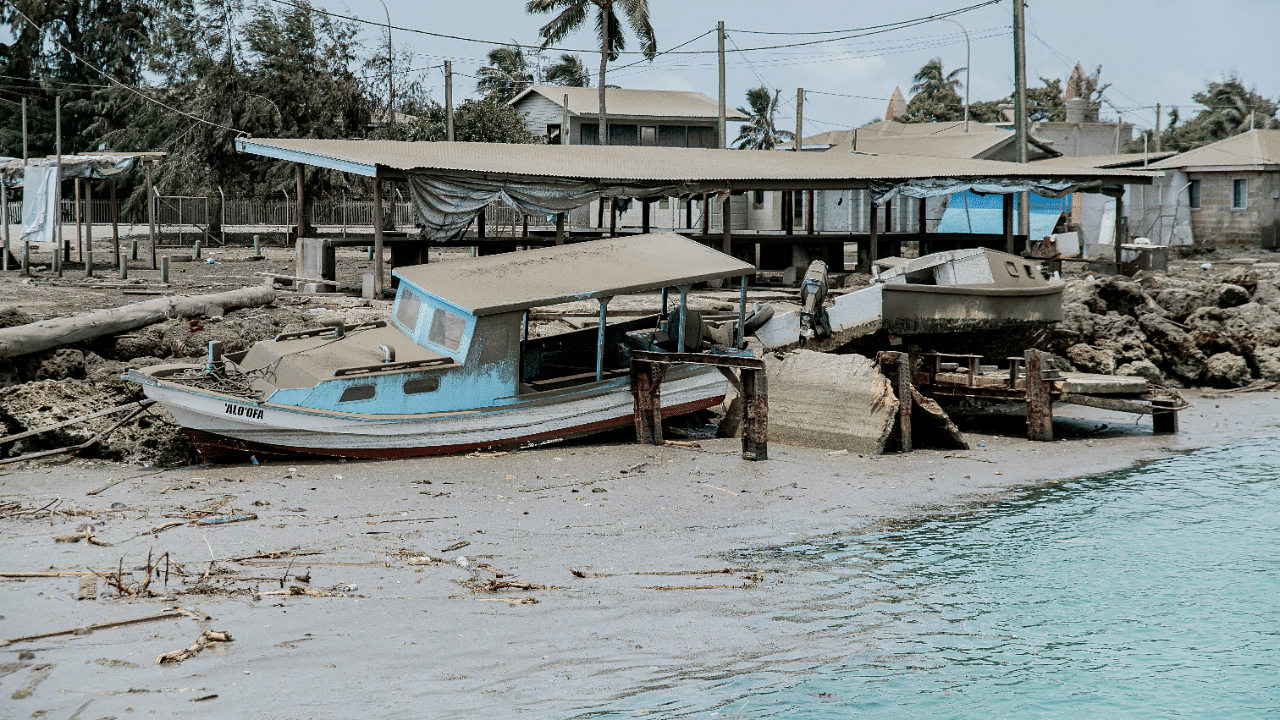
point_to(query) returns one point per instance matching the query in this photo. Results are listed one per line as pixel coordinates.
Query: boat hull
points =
(225, 428)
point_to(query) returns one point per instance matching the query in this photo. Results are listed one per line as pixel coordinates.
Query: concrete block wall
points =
(1216, 222)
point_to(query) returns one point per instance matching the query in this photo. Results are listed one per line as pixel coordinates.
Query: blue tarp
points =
(968, 212)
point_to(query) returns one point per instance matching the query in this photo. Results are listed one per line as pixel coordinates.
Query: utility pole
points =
(603, 137)
(448, 100)
(57, 171)
(391, 72)
(720, 50)
(799, 117)
(1020, 107)
(565, 135)
(24, 131)
(1157, 137)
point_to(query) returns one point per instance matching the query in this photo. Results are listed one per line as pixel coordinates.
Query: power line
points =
(882, 28)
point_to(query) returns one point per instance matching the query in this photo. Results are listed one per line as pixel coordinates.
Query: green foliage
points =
(473, 121)
(760, 133)
(935, 96)
(986, 111)
(569, 72)
(1045, 104)
(1227, 106)
(506, 76)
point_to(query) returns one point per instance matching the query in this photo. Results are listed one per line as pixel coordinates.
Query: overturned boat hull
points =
(225, 427)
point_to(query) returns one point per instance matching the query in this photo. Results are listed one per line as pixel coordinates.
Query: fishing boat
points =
(454, 368)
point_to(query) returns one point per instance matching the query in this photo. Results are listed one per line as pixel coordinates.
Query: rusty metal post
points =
(755, 414)
(1164, 419)
(1039, 401)
(904, 400)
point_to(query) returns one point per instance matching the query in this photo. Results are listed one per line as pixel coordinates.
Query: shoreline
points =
(529, 516)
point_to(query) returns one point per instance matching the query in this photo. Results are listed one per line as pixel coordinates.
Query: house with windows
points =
(665, 118)
(1228, 191)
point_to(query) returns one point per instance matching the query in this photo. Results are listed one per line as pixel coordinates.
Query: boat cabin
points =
(458, 334)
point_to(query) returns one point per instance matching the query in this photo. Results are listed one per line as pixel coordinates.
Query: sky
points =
(1150, 51)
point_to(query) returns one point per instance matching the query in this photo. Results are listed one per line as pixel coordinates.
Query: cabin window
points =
(1194, 191)
(427, 384)
(1028, 269)
(407, 310)
(1013, 269)
(1239, 193)
(553, 134)
(357, 392)
(446, 329)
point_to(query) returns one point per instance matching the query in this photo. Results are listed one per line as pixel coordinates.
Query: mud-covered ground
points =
(398, 556)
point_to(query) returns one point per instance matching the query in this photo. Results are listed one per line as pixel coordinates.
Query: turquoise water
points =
(1148, 593)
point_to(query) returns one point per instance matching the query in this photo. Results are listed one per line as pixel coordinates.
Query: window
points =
(648, 135)
(357, 392)
(1239, 193)
(407, 310)
(553, 134)
(797, 204)
(757, 199)
(702, 137)
(664, 204)
(673, 136)
(1193, 190)
(427, 384)
(623, 135)
(589, 134)
(446, 329)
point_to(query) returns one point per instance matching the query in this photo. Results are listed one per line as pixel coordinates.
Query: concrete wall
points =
(1217, 223)
(1083, 138)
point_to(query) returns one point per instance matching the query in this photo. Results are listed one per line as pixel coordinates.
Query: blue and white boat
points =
(455, 369)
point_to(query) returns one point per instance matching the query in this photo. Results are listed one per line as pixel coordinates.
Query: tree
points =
(573, 13)
(759, 132)
(1045, 104)
(1229, 108)
(569, 72)
(506, 75)
(485, 120)
(1087, 87)
(935, 96)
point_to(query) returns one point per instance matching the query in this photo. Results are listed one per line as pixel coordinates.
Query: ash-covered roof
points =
(1256, 147)
(620, 102)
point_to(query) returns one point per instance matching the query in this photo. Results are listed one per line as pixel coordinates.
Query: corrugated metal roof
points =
(931, 139)
(1133, 160)
(717, 169)
(621, 102)
(1256, 147)
(594, 269)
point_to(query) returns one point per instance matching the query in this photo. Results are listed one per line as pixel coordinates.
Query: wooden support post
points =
(115, 222)
(480, 223)
(904, 400)
(755, 414)
(808, 212)
(788, 222)
(600, 330)
(151, 215)
(1164, 419)
(644, 215)
(646, 393)
(726, 227)
(1006, 207)
(88, 228)
(377, 238)
(873, 251)
(4, 210)
(524, 226)
(1119, 232)
(1039, 401)
(302, 202)
(559, 228)
(613, 218)
(600, 213)
(79, 221)
(706, 214)
(688, 212)
(924, 216)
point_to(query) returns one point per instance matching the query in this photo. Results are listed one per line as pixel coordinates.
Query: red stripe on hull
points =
(220, 448)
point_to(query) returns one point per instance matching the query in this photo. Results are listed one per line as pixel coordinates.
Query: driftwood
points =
(90, 628)
(47, 334)
(207, 638)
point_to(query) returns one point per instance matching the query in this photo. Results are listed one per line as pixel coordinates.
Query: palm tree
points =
(932, 81)
(573, 13)
(506, 76)
(759, 133)
(569, 72)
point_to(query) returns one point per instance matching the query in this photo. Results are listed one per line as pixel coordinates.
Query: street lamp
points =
(391, 86)
(967, 71)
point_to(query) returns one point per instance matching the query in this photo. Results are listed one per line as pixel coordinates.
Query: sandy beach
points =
(410, 631)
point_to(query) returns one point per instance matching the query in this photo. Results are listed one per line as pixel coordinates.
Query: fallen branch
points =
(683, 444)
(492, 585)
(512, 601)
(90, 628)
(298, 590)
(207, 638)
(46, 573)
(224, 521)
(46, 334)
(82, 418)
(74, 449)
(696, 587)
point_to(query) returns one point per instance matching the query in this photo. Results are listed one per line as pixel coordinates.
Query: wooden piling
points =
(1039, 401)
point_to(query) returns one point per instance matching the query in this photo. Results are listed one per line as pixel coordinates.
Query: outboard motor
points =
(813, 293)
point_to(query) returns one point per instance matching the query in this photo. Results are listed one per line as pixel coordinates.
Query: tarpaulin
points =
(883, 191)
(446, 204)
(95, 167)
(40, 204)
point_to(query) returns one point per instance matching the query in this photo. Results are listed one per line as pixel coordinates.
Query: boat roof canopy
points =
(565, 273)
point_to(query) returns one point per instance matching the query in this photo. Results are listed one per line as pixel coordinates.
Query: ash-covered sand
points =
(421, 641)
